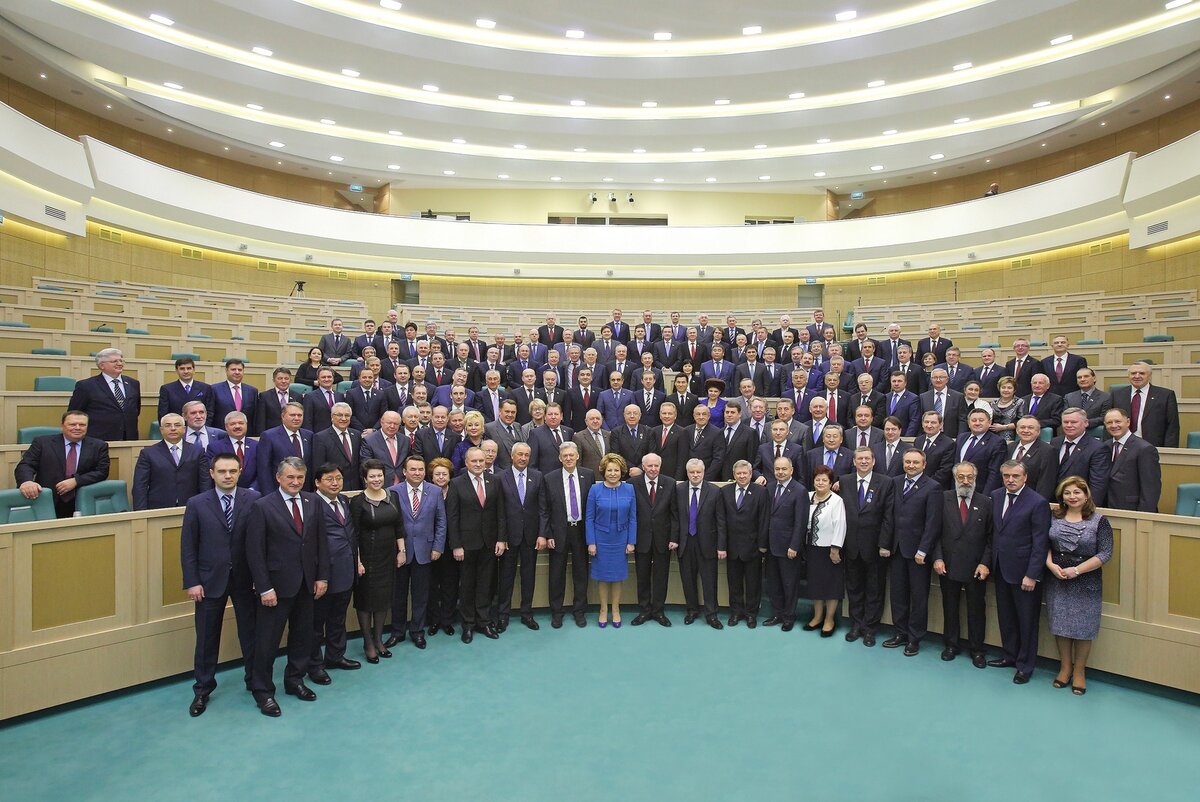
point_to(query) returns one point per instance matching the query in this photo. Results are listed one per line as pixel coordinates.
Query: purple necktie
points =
(574, 497)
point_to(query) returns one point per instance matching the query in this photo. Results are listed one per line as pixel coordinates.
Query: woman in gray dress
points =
(1006, 411)
(1081, 541)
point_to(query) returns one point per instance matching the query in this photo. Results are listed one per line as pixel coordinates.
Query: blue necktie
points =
(692, 510)
(227, 501)
(862, 493)
(830, 456)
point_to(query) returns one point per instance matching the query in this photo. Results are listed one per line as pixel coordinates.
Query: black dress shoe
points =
(449, 630)
(528, 621)
(773, 621)
(733, 620)
(345, 664)
(979, 660)
(269, 707)
(418, 640)
(467, 635)
(393, 640)
(788, 626)
(433, 630)
(895, 642)
(690, 618)
(198, 705)
(853, 635)
(661, 618)
(911, 649)
(301, 692)
(751, 622)
(320, 677)
(1020, 678)
(502, 624)
(1001, 662)
(488, 631)
(949, 653)
(556, 621)
(384, 653)
(868, 639)
(580, 620)
(713, 622)
(639, 619)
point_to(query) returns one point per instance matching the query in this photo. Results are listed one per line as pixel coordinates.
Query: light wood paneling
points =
(73, 581)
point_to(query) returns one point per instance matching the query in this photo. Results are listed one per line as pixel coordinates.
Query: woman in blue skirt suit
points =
(611, 534)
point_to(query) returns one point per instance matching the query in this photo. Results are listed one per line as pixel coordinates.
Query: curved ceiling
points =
(766, 95)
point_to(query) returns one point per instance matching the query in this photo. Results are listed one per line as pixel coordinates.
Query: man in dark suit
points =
(889, 348)
(869, 364)
(1153, 410)
(336, 346)
(62, 463)
(910, 369)
(983, 449)
(437, 439)
(1080, 454)
(393, 366)
(694, 349)
(234, 441)
(695, 541)
(832, 454)
(551, 333)
(854, 348)
(212, 546)
(837, 401)
(563, 505)
(196, 432)
(171, 471)
(619, 328)
(753, 370)
(903, 405)
(720, 368)
(491, 396)
(370, 338)
(816, 329)
(787, 528)
(631, 440)
(648, 399)
(1135, 477)
(785, 325)
(863, 432)
(329, 611)
(1043, 404)
(582, 398)
(683, 399)
(424, 515)
(341, 446)
(988, 373)
(476, 535)
(934, 344)
(583, 335)
(742, 514)
(657, 520)
(612, 402)
(1039, 459)
(1090, 398)
(366, 404)
(1062, 367)
(235, 395)
(604, 346)
(889, 455)
(958, 373)
(504, 432)
(937, 448)
(741, 442)
(669, 441)
(962, 560)
(318, 404)
(916, 527)
(624, 364)
(867, 495)
(389, 446)
(1022, 367)
(436, 343)
(288, 555)
(950, 404)
(1021, 539)
(705, 443)
(779, 446)
(173, 395)
(546, 440)
(668, 353)
(521, 486)
(111, 400)
(288, 439)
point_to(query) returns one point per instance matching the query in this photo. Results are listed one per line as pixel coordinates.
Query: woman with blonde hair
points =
(611, 533)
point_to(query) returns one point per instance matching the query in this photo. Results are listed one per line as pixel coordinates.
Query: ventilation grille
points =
(1157, 228)
(876, 280)
(1099, 248)
(57, 214)
(270, 267)
(945, 274)
(1017, 264)
(110, 235)
(191, 253)
(340, 275)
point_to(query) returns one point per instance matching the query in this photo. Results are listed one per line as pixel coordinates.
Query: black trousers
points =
(653, 574)
(443, 590)
(329, 628)
(295, 613)
(210, 615)
(782, 578)
(745, 585)
(414, 578)
(523, 557)
(865, 583)
(692, 566)
(910, 597)
(1017, 612)
(576, 548)
(952, 592)
(476, 586)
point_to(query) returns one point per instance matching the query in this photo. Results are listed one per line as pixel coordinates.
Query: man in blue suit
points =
(234, 395)
(424, 515)
(318, 404)
(1079, 454)
(212, 548)
(329, 611)
(288, 554)
(234, 441)
(171, 471)
(787, 527)
(521, 486)
(916, 527)
(1020, 540)
(173, 395)
(286, 440)
(903, 405)
(958, 372)
(720, 368)
(983, 449)
(111, 401)
(870, 364)
(612, 402)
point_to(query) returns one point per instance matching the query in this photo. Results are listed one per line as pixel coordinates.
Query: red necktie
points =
(296, 516)
(237, 397)
(666, 431)
(416, 502)
(962, 509)
(833, 406)
(412, 441)
(337, 510)
(72, 459)
(1135, 411)
(862, 438)
(1116, 450)
(652, 495)
(241, 455)
(479, 491)
(296, 447)
(586, 397)
(346, 445)
(391, 443)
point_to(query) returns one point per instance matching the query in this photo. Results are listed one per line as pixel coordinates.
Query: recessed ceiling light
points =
(1043, 144)
(275, 143)
(697, 150)
(1061, 40)
(606, 179)
(336, 158)
(639, 150)
(710, 180)
(170, 130)
(935, 172)
(966, 65)
(1166, 97)
(764, 178)
(161, 20)
(1103, 124)
(1041, 104)
(721, 101)
(393, 5)
(108, 106)
(795, 95)
(262, 51)
(393, 167)
(875, 168)
(254, 107)
(845, 16)
(349, 73)
(279, 162)
(575, 33)
(1176, 4)
(875, 84)
(961, 120)
(519, 147)
(659, 180)
(458, 141)
(662, 36)
(485, 23)
(649, 104)
(987, 161)
(331, 172)
(226, 147)
(556, 178)
(167, 84)
(760, 146)
(580, 150)
(327, 121)
(819, 174)
(889, 132)
(937, 156)
(823, 140)
(430, 87)
(396, 133)
(505, 98)
(578, 102)
(502, 176)
(752, 30)
(447, 172)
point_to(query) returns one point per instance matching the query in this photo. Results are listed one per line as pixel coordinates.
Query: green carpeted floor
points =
(646, 713)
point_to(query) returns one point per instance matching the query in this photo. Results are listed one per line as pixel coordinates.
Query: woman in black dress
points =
(379, 530)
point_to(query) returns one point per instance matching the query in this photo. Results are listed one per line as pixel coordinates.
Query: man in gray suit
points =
(1090, 398)
(1135, 478)
(593, 441)
(948, 403)
(335, 346)
(504, 432)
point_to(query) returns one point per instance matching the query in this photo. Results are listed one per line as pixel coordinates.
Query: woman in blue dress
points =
(715, 403)
(611, 533)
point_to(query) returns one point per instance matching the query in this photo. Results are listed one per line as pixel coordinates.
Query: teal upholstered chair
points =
(102, 498)
(1159, 338)
(28, 434)
(301, 389)
(1047, 434)
(1187, 500)
(48, 351)
(16, 509)
(1193, 439)
(155, 431)
(51, 384)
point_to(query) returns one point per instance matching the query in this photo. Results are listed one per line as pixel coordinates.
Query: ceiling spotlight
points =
(574, 33)
(592, 197)
(254, 107)
(578, 102)
(752, 30)
(327, 121)
(819, 174)
(161, 20)
(607, 180)
(556, 178)
(764, 178)
(262, 51)
(795, 95)
(697, 150)
(1103, 124)
(662, 36)
(392, 5)
(430, 87)
(485, 23)
(275, 143)
(649, 104)
(845, 16)
(349, 73)
(823, 140)
(722, 101)
(1166, 97)
(396, 133)
(966, 65)
(612, 196)
(447, 172)
(711, 180)
(875, 168)
(875, 84)
(580, 150)
(961, 120)
(457, 141)
(167, 84)
(937, 156)
(1061, 40)
(631, 197)
(889, 132)
(659, 180)
(336, 158)
(519, 147)
(108, 106)
(639, 150)
(505, 98)
(1041, 104)
(393, 167)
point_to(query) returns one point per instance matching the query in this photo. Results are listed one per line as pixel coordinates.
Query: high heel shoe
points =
(1057, 683)
(384, 653)
(603, 624)
(616, 624)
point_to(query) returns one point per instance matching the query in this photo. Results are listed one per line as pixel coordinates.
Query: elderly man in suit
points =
(336, 346)
(1062, 367)
(288, 554)
(776, 447)
(212, 547)
(916, 527)
(1090, 398)
(958, 372)
(982, 448)
(695, 541)
(1020, 542)
(329, 611)
(173, 395)
(742, 515)
(235, 395)
(831, 453)
(389, 446)
(1039, 459)
(1023, 366)
(741, 442)
(706, 443)
(545, 440)
(1135, 476)
(234, 441)
(718, 367)
(424, 515)
(612, 402)
(816, 329)
(196, 431)
(1080, 454)
(171, 471)
(111, 400)
(988, 373)
(657, 520)
(504, 432)
(950, 404)
(521, 486)
(288, 439)
(1153, 410)
(934, 344)
(341, 446)
(63, 463)
(786, 530)
(631, 440)
(669, 441)
(962, 560)
(491, 397)
(867, 495)
(1042, 404)
(889, 347)
(476, 534)
(593, 441)
(563, 503)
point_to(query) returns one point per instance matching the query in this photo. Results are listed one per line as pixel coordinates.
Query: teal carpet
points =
(630, 714)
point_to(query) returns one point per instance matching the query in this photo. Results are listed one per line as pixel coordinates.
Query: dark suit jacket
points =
(709, 449)
(273, 446)
(543, 448)
(45, 462)
(280, 558)
(925, 346)
(896, 468)
(870, 527)
(742, 532)
(317, 410)
(211, 555)
(555, 505)
(1071, 365)
(1088, 459)
(483, 402)
(522, 522)
(963, 373)
(221, 444)
(907, 409)
(1160, 414)
(764, 461)
(787, 523)
(521, 396)
(912, 377)
(223, 404)
(1021, 539)
(266, 409)
(939, 459)
(655, 525)
(468, 525)
(668, 357)
(844, 463)
(1029, 368)
(854, 439)
(987, 376)
(585, 338)
(759, 377)
(706, 519)
(631, 447)
(172, 397)
(954, 411)
(158, 483)
(374, 446)
(361, 341)
(1041, 466)
(965, 546)
(364, 413)
(341, 351)
(1049, 410)
(684, 407)
(108, 420)
(990, 451)
(427, 445)
(916, 518)
(853, 350)
(702, 353)
(887, 350)
(743, 445)
(549, 335)
(844, 415)
(879, 371)
(621, 331)
(1135, 478)
(1098, 404)
(327, 447)
(576, 412)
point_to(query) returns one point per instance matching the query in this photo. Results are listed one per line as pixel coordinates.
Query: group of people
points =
(471, 458)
